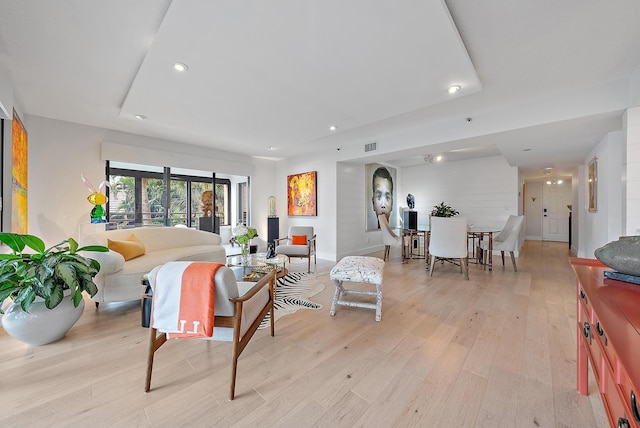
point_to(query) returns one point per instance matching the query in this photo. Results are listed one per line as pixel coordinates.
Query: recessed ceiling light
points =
(454, 88)
(141, 117)
(180, 66)
(272, 148)
(433, 158)
(333, 128)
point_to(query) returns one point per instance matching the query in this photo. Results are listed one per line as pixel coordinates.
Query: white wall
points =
(576, 216)
(6, 94)
(484, 190)
(8, 103)
(631, 181)
(263, 184)
(60, 151)
(533, 210)
(325, 222)
(353, 239)
(634, 87)
(605, 225)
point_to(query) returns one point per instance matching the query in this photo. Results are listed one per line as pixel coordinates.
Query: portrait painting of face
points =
(380, 194)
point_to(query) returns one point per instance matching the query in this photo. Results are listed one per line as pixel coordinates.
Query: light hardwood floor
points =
(495, 351)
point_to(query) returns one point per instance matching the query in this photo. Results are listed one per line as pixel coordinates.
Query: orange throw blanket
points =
(183, 299)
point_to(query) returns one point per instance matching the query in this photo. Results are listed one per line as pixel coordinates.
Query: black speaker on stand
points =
(273, 229)
(411, 220)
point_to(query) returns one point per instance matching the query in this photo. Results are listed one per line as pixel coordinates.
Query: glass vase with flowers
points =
(243, 236)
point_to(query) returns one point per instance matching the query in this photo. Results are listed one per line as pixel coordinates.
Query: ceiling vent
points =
(371, 147)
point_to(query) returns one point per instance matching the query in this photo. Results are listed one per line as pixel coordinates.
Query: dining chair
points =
(389, 238)
(507, 240)
(448, 242)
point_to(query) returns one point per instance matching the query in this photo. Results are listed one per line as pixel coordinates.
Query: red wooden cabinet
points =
(608, 323)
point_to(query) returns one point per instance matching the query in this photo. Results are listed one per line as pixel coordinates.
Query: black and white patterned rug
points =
(292, 293)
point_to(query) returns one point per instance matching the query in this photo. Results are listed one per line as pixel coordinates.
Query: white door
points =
(555, 213)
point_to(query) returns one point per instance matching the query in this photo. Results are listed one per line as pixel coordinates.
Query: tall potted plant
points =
(38, 281)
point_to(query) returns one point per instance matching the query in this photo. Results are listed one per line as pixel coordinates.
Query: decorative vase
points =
(272, 206)
(97, 214)
(244, 253)
(622, 255)
(40, 325)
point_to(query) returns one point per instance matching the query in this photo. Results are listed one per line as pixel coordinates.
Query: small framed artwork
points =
(301, 194)
(592, 182)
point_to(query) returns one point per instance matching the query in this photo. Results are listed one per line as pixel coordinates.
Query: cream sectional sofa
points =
(226, 233)
(120, 280)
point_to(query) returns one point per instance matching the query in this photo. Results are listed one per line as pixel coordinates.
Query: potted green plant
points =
(47, 274)
(443, 210)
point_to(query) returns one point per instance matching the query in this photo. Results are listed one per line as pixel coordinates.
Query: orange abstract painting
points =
(19, 152)
(301, 194)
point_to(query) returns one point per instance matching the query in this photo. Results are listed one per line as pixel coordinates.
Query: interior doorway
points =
(546, 207)
(556, 199)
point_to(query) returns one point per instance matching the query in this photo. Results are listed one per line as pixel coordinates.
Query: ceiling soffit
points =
(298, 68)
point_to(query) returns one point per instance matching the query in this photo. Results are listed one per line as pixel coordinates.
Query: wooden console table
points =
(608, 314)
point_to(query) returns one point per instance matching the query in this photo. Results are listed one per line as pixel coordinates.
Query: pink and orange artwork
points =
(19, 185)
(301, 194)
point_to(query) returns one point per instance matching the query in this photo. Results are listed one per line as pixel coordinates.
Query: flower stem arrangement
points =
(243, 235)
(443, 210)
(45, 272)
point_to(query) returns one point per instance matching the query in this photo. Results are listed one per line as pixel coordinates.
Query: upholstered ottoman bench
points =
(358, 269)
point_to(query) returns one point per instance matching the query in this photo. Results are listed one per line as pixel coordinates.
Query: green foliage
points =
(244, 234)
(47, 272)
(443, 210)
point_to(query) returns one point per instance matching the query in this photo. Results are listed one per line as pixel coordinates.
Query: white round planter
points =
(40, 325)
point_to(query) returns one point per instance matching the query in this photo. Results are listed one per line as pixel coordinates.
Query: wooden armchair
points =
(299, 242)
(239, 309)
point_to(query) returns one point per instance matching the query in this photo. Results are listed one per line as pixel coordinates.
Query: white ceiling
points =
(544, 75)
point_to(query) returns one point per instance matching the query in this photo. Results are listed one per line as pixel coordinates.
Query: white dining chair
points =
(389, 238)
(507, 240)
(448, 241)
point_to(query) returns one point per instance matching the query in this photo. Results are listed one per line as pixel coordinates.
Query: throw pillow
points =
(130, 248)
(299, 239)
